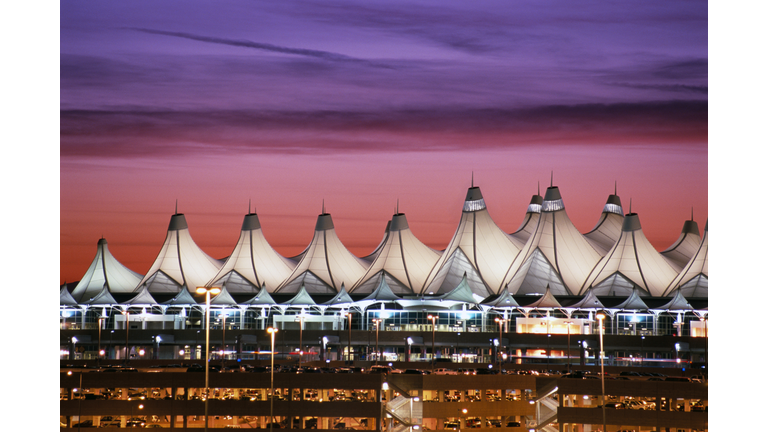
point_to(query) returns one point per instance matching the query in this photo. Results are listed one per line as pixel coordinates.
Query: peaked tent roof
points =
(462, 293)
(503, 300)
(224, 298)
(402, 259)
(340, 298)
(556, 255)
(547, 301)
(326, 263)
(105, 269)
(253, 262)
(180, 261)
(685, 247)
(262, 298)
(382, 293)
(693, 280)
(301, 298)
(631, 262)
(143, 297)
(102, 298)
(608, 228)
(590, 301)
(677, 303)
(65, 298)
(478, 247)
(184, 297)
(532, 215)
(633, 301)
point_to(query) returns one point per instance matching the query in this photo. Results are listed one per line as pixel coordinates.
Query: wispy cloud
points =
(324, 55)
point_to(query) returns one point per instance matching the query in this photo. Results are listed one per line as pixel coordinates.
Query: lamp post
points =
(568, 323)
(500, 322)
(272, 331)
(100, 353)
(350, 357)
(207, 291)
(127, 327)
(600, 318)
(377, 321)
(433, 318)
(223, 337)
(301, 337)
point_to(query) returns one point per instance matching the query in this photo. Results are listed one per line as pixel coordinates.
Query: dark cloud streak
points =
(324, 55)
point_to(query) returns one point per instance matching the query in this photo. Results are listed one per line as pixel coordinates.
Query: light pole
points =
(568, 323)
(301, 335)
(223, 337)
(377, 321)
(100, 353)
(127, 327)
(207, 291)
(272, 331)
(433, 318)
(600, 318)
(350, 357)
(499, 321)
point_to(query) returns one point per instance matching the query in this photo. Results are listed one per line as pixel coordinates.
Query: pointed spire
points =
(630, 205)
(691, 212)
(249, 206)
(538, 188)
(177, 206)
(323, 206)
(473, 179)
(551, 178)
(397, 211)
(615, 187)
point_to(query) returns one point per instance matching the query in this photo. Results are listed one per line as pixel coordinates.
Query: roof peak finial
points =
(551, 178)
(691, 212)
(176, 211)
(630, 204)
(323, 205)
(615, 184)
(397, 210)
(538, 187)
(473, 179)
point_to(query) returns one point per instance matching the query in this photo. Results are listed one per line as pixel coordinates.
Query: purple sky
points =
(363, 103)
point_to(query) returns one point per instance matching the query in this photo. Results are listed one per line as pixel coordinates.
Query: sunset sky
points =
(360, 104)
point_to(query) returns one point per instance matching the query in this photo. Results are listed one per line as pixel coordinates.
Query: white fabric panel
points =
(236, 283)
(452, 273)
(142, 298)
(606, 232)
(105, 268)
(682, 250)
(488, 250)
(615, 285)
(159, 282)
(535, 276)
(183, 261)
(697, 265)
(696, 287)
(523, 233)
(311, 283)
(254, 259)
(635, 258)
(65, 298)
(102, 298)
(403, 258)
(563, 246)
(224, 298)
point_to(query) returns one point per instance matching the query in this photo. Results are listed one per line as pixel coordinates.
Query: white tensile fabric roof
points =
(65, 298)
(631, 262)
(143, 297)
(685, 247)
(547, 301)
(253, 262)
(556, 255)
(633, 301)
(693, 280)
(105, 269)
(180, 262)
(262, 298)
(590, 301)
(479, 248)
(532, 215)
(403, 260)
(372, 256)
(102, 298)
(608, 229)
(326, 263)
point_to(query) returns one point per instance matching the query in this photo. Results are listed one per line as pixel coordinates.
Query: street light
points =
(377, 321)
(127, 327)
(301, 335)
(272, 331)
(100, 352)
(433, 318)
(568, 323)
(207, 291)
(223, 337)
(600, 318)
(350, 357)
(500, 321)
